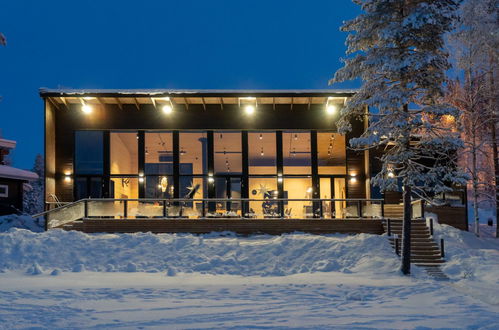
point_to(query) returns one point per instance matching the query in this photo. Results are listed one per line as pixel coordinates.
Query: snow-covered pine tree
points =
(33, 199)
(396, 49)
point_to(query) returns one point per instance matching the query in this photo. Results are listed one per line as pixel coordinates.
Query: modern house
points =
(12, 181)
(205, 160)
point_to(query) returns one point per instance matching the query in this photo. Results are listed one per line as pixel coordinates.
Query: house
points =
(12, 181)
(241, 160)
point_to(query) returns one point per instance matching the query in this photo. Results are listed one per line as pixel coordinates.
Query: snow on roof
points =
(152, 92)
(9, 172)
(9, 144)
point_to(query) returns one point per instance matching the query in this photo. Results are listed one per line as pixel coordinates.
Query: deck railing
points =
(275, 208)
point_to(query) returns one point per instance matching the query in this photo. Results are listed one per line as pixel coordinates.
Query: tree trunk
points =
(496, 171)
(406, 232)
(474, 175)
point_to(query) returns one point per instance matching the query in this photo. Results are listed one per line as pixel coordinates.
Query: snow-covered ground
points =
(61, 279)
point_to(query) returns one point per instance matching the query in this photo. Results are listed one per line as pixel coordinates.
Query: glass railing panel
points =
(57, 218)
(105, 208)
(351, 210)
(371, 209)
(149, 209)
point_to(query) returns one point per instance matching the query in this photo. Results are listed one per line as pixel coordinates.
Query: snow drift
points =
(21, 221)
(225, 253)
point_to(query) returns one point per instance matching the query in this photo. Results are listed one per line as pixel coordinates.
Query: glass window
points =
(263, 190)
(262, 153)
(124, 188)
(88, 187)
(331, 153)
(228, 152)
(159, 186)
(298, 188)
(89, 155)
(296, 153)
(124, 153)
(193, 187)
(158, 153)
(193, 153)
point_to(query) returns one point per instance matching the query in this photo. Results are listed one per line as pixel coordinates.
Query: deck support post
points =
(442, 250)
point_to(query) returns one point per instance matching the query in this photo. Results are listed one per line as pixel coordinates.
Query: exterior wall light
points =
(391, 174)
(279, 178)
(141, 177)
(167, 109)
(67, 176)
(353, 177)
(330, 106)
(249, 104)
(249, 109)
(87, 109)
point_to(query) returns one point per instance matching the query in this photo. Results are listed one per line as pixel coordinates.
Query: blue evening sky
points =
(186, 44)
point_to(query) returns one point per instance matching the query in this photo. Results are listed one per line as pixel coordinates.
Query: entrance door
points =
(228, 187)
(88, 187)
(332, 188)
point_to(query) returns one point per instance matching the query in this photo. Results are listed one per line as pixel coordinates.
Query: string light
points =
(261, 136)
(261, 152)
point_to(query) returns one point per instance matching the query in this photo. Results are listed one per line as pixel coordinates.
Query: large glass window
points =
(262, 153)
(228, 152)
(89, 155)
(263, 190)
(296, 153)
(331, 153)
(124, 188)
(160, 186)
(298, 188)
(124, 153)
(193, 153)
(158, 153)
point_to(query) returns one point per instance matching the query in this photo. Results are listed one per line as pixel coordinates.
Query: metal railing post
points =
(431, 226)
(321, 210)
(383, 209)
(85, 209)
(203, 208)
(397, 246)
(442, 250)
(125, 208)
(389, 227)
(164, 208)
(359, 208)
(281, 207)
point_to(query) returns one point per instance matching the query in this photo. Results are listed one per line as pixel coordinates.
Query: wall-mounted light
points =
(67, 176)
(249, 104)
(279, 177)
(141, 177)
(391, 174)
(211, 179)
(164, 103)
(330, 106)
(86, 109)
(353, 177)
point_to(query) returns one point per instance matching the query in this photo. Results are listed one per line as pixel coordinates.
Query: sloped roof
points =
(9, 144)
(9, 172)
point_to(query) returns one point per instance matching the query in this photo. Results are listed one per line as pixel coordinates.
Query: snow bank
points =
(21, 221)
(211, 254)
(472, 261)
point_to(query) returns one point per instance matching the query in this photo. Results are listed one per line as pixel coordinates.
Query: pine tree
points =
(34, 199)
(396, 48)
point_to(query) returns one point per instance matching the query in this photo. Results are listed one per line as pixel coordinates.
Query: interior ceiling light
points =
(249, 109)
(167, 109)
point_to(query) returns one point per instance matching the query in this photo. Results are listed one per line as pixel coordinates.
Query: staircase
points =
(394, 211)
(425, 252)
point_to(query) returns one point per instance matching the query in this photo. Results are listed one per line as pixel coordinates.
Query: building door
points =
(88, 187)
(332, 188)
(228, 187)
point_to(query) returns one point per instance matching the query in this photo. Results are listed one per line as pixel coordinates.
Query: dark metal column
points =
(211, 171)
(106, 178)
(280, 169)
(176, 164)
(142, 161)
(315, 174)
(245, 172)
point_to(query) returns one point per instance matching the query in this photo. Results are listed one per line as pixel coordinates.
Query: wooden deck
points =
(239, 226)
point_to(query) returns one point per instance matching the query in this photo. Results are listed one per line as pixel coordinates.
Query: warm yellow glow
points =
(67, 178)
(353, 180)
(249, 109)
(167, 109)
(141, 179)
(390, 174)
(86, 108)
(309, 190)
(331, 109)
(89, 98)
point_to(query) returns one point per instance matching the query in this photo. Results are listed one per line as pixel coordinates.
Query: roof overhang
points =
(186, 97)
(8, 144)
(9, 172)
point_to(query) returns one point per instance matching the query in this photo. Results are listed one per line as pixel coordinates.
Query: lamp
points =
(249, 104)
